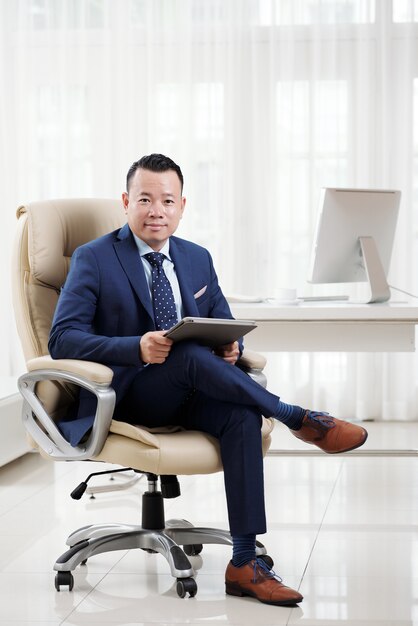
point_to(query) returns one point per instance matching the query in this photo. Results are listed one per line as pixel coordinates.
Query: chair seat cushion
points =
(156, 450)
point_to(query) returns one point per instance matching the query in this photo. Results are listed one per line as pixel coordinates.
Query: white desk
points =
(330, 326)
(327, 327)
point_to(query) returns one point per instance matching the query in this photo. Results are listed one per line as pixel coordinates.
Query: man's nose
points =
(157, 209)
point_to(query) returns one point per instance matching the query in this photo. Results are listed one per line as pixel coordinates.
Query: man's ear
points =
(183, 204)
(125, 200)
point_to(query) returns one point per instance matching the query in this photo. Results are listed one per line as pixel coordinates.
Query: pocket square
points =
(200, 292)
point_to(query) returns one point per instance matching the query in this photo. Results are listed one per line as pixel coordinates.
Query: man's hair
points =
(154, 163)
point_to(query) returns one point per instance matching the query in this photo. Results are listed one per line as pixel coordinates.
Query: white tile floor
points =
(344, 530)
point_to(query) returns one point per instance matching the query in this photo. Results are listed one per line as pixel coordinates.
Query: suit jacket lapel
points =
(130, 260)
(183, 269)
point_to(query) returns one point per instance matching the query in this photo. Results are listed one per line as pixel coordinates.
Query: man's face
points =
(154, 206)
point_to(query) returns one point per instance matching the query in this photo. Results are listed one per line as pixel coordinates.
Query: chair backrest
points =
(48, 233)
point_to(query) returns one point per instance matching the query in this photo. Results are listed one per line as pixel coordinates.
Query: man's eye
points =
(143, 200)
(169, 201)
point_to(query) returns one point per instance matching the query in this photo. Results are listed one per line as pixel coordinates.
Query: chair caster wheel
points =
(193, 549)
(267, 560)
(64, 578)
(186, 585)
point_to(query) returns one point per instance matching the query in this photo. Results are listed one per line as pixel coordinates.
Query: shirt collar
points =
(144, 248)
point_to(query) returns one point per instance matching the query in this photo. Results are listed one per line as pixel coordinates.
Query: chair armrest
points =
(94, 372)
(94, 377)
(252, 360)
(253, 364)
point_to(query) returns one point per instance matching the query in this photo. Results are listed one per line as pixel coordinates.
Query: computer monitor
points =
(354, 238)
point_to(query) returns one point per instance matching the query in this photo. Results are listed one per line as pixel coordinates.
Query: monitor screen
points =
(354, 235)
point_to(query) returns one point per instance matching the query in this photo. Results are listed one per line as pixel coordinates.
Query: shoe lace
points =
(321, 418)
(259, 564)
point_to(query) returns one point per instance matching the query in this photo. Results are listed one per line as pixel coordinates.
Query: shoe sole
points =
(358, 445)
(236, 590)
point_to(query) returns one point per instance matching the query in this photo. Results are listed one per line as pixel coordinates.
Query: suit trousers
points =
(198, 390)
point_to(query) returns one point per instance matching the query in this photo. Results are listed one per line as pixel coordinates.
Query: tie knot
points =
(155, 258)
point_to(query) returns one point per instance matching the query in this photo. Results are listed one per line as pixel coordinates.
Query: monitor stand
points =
(379, 288)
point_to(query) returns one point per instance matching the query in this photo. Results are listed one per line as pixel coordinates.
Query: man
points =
(123, 291)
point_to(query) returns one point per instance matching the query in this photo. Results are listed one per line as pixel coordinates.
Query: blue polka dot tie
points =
(165, 314)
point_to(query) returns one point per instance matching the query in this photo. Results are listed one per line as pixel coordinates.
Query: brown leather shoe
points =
(257, 580)
(329, 433)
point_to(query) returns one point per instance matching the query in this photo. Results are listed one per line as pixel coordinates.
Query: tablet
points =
(210, 331)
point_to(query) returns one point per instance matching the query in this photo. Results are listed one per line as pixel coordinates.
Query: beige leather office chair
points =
(47, 235)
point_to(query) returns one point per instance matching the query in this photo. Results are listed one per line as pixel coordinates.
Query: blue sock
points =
(243, 549)
(290, 415)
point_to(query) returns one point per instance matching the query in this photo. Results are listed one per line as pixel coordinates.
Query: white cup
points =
(284, 296)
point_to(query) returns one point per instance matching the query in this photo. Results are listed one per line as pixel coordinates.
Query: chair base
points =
(155, 535)
(98, 538)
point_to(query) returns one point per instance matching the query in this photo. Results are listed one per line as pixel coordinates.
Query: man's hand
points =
(229, 352)
(154, 347)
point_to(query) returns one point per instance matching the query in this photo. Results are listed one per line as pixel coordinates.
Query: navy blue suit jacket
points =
(105, 307)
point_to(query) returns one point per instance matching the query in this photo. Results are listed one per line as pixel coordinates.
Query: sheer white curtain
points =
(262, 102)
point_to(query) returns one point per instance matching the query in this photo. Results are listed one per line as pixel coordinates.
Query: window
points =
(209, 111)
(168, 108)
(405, 11)
(312, 151)
(62, 126)
(293, 12)
(68, 14)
